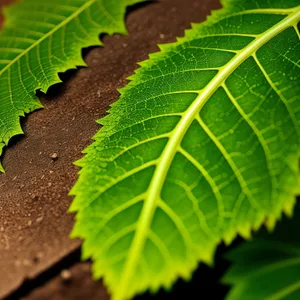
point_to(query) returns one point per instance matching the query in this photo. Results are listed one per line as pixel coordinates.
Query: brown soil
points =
(34, 224)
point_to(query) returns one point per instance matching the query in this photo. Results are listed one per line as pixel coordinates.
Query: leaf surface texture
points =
(42, 38)
(202, 145)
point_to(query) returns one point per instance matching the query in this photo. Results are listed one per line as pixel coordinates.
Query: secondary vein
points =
(60, 25)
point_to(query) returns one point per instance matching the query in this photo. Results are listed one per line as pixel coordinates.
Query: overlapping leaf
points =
(42, 38)
(268, 267)
(202, 145)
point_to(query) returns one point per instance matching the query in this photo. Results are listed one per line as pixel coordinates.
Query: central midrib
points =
(52, 31)
(183, 125)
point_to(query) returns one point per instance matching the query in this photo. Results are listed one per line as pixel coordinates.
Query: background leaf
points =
(268, 267)
(202, 145)
(42, 38)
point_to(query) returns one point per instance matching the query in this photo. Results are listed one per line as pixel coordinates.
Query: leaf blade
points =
(209, 128)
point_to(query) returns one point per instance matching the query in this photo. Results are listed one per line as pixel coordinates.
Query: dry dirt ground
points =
(38, 260)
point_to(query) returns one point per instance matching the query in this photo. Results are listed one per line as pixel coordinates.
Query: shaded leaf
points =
(268, 267)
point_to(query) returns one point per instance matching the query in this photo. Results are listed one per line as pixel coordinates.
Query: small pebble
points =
(39, 219)
(26, 262)
(65, 275)
(54, 156)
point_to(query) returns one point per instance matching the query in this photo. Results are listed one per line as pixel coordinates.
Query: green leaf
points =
(202, 145)
(268, 267)
(42, 38)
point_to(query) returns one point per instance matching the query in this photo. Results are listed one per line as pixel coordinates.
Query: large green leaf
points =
(202, 145)
(42, 38)
(268, 267)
